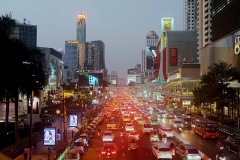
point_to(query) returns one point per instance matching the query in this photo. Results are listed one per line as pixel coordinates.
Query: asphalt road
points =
(142, 153)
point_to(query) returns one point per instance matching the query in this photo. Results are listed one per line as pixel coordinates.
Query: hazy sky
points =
(121, 24)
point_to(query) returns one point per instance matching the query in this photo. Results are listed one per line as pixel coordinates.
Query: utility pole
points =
(64, 119)
(31, 115)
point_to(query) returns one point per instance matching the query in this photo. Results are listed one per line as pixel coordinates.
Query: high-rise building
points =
(27, 34)
(70, 59)
(81, 28)
(190, 15)
(219, 33)
(94, 56)
(204, 23)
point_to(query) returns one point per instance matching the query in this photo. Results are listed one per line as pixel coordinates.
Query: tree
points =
(23, 68)
(215, 85)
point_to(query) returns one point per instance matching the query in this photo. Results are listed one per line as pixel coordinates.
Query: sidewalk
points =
(41, 152)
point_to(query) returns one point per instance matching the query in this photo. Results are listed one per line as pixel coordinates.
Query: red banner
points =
(173, 56)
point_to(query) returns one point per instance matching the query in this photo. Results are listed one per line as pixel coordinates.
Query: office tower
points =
(27, 34)
(81, 28)
(70, 58)
(204, 24)
(94, 56)
(218, 32)
(190, 14)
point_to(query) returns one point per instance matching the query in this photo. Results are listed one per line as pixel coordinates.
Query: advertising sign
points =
(167, 24)
(87, 79)
(173, 56)
(73, 121)
(49, 138)
(237, 45)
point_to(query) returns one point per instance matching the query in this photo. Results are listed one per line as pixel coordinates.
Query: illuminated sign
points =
(73, 121)
(49, 138)
(167, 24)
(72, 42)
(237, 45)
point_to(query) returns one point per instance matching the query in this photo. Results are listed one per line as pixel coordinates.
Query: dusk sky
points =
(121, 24)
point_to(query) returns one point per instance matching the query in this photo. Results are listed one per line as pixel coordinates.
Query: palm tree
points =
(23, 69)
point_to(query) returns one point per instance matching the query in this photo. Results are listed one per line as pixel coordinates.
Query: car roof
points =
(189, 146)
(162, 145)
(108, 144)
(108, 131)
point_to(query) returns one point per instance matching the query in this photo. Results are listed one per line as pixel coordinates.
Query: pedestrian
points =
(25, 153)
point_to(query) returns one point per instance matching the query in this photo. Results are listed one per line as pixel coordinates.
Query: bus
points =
(205, 127)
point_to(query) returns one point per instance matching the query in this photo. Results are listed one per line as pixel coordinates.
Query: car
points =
(133, 133)
(126, 118)
(140, 121)
(147, 127)
(188, 151)
(165, 130)
(79, 145)
(72, 154)
(137, 116)
(154, 136)
(186, 122)
(176, 123)
(129, 127)
(233, 144)
(161, 151)
(108, 136)
(109, 150)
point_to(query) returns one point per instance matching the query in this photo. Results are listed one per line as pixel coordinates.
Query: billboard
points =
(94, 79)
(132, 71)
(49, 138)
(73, 120)
(167, 24)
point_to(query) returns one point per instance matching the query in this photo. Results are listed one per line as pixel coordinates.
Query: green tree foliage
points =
(215, 86)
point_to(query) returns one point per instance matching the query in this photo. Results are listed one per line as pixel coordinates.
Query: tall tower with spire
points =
(81, 28)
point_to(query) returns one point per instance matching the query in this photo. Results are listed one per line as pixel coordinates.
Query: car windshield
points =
(147, 126)
(107, 134)
(129, 125)
(177, 121)
(168, 130)
(164, 149)
(193, 151)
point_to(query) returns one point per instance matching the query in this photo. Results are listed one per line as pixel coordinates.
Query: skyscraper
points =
(81, 28)
(190, 15)
(27, 34)
(94, 56)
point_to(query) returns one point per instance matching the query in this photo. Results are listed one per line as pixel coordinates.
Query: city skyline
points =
(121, 25)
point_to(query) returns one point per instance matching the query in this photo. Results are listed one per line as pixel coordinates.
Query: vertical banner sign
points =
(73, 121)
(49, 138)
(173, 56)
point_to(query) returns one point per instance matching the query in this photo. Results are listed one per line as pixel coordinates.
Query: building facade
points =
(27, 34)
(70, 59)
(81, 28)
(190, 15)
(94, 56)
(176, 48)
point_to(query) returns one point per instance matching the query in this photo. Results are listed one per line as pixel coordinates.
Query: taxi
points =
(141, 121)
